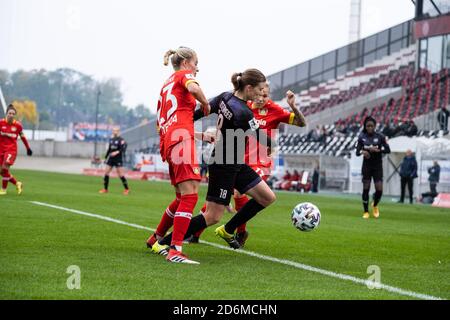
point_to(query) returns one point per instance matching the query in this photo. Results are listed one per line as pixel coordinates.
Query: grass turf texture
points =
(410, 245)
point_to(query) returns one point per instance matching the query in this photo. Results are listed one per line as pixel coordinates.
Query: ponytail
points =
(167, 56)
(177, 56)
(249, 77)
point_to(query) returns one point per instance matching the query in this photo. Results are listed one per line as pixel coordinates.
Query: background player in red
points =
(10, 130)
(175, 116)
(269, 116)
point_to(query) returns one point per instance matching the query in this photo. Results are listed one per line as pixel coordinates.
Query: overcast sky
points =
(127, 39)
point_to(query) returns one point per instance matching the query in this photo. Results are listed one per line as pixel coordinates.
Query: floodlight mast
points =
(2, 101)
(355, 21)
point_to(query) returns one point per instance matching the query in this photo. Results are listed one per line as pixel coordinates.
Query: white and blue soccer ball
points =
(305, 216)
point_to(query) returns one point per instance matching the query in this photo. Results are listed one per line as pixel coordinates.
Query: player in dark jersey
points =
(269, 116)
(372, 145)
(227, 169)
(114, 158)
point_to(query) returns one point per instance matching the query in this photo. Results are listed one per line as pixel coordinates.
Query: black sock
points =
(106, 182)
(365, 199)
(197, 223)
(248, 211)
(124, 182)
(377, 197)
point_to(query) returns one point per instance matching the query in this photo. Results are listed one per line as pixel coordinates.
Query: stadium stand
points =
(423, 93)
(392, 75)
(387, 72)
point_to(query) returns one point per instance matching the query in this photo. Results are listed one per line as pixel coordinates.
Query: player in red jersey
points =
(269, 116)
(175, 120)
(10, 130)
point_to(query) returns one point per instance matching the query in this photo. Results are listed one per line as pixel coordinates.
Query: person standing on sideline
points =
(315, 180)
(443, 118)
(408, 172)
(433, 177)
(115, 155)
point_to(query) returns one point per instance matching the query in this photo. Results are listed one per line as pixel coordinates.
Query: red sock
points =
(12, 180)
(5, 178)
(198, 233)
(167, 218)
(239, 202)
(183, 218)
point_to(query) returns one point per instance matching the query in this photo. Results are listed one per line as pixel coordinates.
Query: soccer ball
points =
(305, 216)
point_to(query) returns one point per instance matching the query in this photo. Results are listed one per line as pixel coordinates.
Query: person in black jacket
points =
(412, 129)
(433, 177)
(408, 172)
(114, 158)
(442, 118)
(315, 180)
(372, 145)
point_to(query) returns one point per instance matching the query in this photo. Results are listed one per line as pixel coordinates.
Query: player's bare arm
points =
(198, 94)
(299, 119)
(205, 136)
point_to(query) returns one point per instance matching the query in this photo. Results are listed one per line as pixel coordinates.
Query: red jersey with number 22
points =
(176, 111)
(268, 117)
(8, 135)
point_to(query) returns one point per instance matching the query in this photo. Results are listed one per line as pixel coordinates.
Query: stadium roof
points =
(337, 62)
(433, 8)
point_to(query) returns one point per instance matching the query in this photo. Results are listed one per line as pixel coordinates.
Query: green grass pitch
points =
(409, 244)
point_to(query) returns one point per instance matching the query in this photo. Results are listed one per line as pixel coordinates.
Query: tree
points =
(27, 110)
(66, 95)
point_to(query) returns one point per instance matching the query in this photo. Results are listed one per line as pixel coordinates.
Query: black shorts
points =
(369, 172)
(114, 162)
(224, 178)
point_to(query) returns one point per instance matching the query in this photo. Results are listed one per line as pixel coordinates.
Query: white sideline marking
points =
(260, 256)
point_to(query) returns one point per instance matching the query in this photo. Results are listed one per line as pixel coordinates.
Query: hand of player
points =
(115, 153)
(366, 154)
(290, 97)
(206, 109)
(208, 137)
(374, 149)
(29, 152)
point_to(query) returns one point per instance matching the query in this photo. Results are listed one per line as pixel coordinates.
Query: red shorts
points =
(263, 172)
(7, 157)
(183, 163)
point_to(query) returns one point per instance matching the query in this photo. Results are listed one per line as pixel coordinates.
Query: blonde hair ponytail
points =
(182, 53)
(167, 56)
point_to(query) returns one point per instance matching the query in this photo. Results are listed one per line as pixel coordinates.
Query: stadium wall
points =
(72, 149)
(333, 174)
